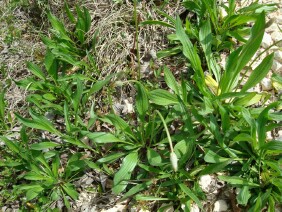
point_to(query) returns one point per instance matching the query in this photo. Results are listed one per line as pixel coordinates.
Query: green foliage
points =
(183, 128)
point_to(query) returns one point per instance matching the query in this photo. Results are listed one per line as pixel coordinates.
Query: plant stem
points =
(166, 129)
(137, 38)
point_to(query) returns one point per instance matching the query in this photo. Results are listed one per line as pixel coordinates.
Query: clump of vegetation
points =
(182, 128)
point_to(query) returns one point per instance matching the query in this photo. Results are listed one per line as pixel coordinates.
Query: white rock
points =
(220, 205)
(266, 84)
(266, 41)
(278, 56)
(268, 136)
(276, 67)
(194, 208)
(206, 182)
(279, 138)
(128, 107)
(276, 36)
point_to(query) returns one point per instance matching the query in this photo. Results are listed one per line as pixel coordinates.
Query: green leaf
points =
(10, 144)
(69, 13)
(77, 96)
(142, 101)
(119, 124)
(153, 157)
(184, 150)
(273, 146)
(171, 81)
(35, 70)
(124, 174)
(35, 176)
(244, 196)
(262, 121)
(68, 188)
(259, 73)
(239, 58)
(205, 36)
(102, 137)
(191, 194)
(136, 189)
(59, 27)
(51, 65)
(99, 85)
(190, 52)
(212, 157)
(234, 180)
(33, 193)
(216, 167)
(162, 97)
(44, 145)
(111, 157)
(39, 122)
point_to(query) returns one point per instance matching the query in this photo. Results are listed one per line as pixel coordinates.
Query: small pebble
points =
(278, 56)
(266, 84)
(205, 182)
(220, 205)
(266, 41)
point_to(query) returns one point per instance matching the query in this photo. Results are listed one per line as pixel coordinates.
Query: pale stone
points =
(266, 41)
(278, 56)
(279, 138)
(276, 36)
(220, 205)
(266, 84)
(206, 182)
(276, 67)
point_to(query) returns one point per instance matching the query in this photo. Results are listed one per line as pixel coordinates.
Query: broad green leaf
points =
(244, 196)
(35, 176)
(10, 144)
(124, 174)
(153, 157)
(111, 157)
(212, 157)
(191, 194)
(44, 145)
(99, 85)
(67, 118)
(69, 13)
(273, 146)
(169, 52)
(234, 180)
(40, 123)
(239, 58)
(56, 165)
(190, 52)
(136, 189)
(35, 70)
(261, 123)
(102, 137)
(69, 189)
(184, 150)
(33, 193)
(205, 36)
(51, 65)
(162, 97)
(60, 30)
(119, 124)
(216, 167)
(142, 101)
(259, 73)
(248, 99)
(171, 81)
(77, 96)
(155, 22)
